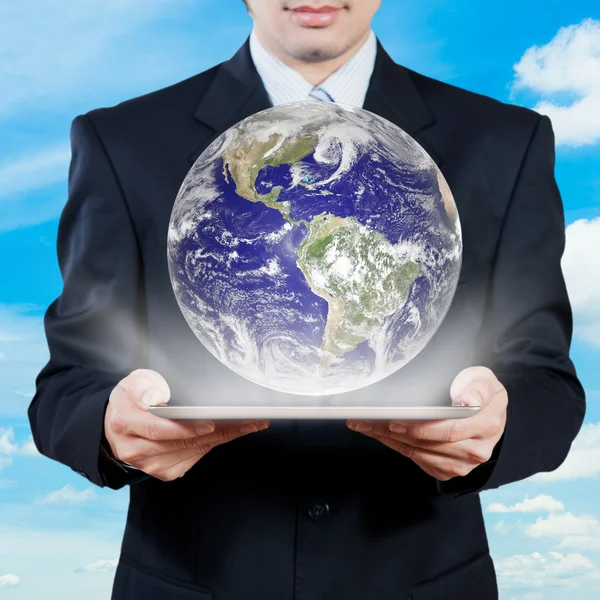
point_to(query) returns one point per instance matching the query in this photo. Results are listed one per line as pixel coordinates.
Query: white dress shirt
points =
(347, 85)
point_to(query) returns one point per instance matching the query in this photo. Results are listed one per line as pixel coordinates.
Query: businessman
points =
(299, 509)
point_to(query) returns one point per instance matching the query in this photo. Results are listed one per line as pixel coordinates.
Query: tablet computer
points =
(370, 413)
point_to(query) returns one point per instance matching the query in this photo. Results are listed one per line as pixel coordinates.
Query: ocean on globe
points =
(314, 248)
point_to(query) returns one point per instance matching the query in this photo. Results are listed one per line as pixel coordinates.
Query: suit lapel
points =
(237, 92)
(393, 95)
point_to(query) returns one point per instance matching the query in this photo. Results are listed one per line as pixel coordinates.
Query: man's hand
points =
(163, 448)
(450, 447)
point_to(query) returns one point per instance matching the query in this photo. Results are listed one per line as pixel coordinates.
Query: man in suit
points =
(308, 510)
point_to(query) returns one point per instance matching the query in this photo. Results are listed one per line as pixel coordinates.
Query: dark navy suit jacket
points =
(307, 510)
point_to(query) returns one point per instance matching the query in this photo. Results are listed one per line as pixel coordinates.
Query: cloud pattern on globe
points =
(314, 248)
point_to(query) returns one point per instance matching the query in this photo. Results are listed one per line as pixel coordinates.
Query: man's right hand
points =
(163, 448)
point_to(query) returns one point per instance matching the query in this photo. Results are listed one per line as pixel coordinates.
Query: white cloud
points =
(58, 63)
(69, 495)
(47, 559)
(559, 525)
(540, 503)
(528, 596)
(579, 533)
(583, 460)
(542, 571)
(23, 343)
(9, 581)
(100, 565)
(29, 448)
(36, 170)
(581, 266)
(8, 447)
(29, 210)
(29, 172)
(500, 527)
(589, 333)
(6, 461)
(568, 64)
(581, 269)
(51, 55)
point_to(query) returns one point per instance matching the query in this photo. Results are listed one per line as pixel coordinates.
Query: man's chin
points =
(312, 48)
(316, 55)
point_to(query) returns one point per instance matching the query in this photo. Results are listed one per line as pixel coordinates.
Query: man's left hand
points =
(450, 448)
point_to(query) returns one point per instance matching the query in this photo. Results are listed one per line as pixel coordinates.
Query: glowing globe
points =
(314, 248)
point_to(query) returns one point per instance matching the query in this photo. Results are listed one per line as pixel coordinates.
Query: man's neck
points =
(314, 72)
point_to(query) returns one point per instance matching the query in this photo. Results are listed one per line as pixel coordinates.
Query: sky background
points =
(59, 535)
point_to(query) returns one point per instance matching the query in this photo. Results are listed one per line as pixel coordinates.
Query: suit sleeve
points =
(528, 330)
(89, 326)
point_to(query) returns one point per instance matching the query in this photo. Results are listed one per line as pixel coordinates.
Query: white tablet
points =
(420, 413)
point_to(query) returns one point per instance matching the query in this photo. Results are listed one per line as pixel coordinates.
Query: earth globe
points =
(314, 248)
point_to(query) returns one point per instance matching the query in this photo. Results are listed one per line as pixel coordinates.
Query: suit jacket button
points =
(317, 511)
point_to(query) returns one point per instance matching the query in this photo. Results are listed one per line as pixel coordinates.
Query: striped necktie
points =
(320, 94)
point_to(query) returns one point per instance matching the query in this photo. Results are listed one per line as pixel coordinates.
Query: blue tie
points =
(320, 94)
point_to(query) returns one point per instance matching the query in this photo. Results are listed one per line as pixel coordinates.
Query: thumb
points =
(473, 386)
(144, 388)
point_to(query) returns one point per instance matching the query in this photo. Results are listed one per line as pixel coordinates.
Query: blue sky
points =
(59, 536)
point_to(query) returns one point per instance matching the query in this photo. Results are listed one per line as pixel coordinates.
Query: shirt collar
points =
(347, 85)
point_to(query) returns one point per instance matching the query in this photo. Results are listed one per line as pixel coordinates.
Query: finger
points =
(397, 448)
(129, 420)
(478, 393)
(226, 433)
(439, 466)
(478, 426)
(471, 450)
(443, 430)
(143, 388)
(474, 386)
(156, 377)
(381, 430)
(180, 469)
(143, 453)
(220, 435)
(422, 434)
(157, 463)
(175, 469)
